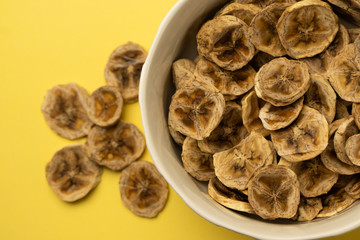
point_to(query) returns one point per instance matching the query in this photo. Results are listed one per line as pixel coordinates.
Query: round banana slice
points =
(314, 178)
(71, 174)
(263, 32)
(282, 81)
(117, 146)
(264, 3)
(352, 149)
(196, 110)
(228, 133)
(353, 187)
(245, 12)
(309, 209)
(105, 106)
(275, 118)
(177, 136)
(347, 129)
(304, 139)
(230, 198)
(123, 70)
(353, 33)
(260, 59)
(335, 125)
(197, 163)
(321, 96)
(236, 166)
(183, 72)
(250, 114)
(224, 40)
(65, 111)
(143, 190)
(348, 10)
(356, 113)
(307, 28)
(334, 202)
(274, 192)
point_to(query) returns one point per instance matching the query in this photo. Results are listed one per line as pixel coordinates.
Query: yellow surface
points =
(49, 42)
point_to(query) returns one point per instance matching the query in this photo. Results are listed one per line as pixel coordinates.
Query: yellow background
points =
(49, 42)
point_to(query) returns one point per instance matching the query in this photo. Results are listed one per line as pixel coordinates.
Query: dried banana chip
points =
(353, 33)
(341, 110)
(307, 28)
(105, 106)
(117, 146)
(353, 187)
(304, 139)
(183, 72)
(245, 12)
(228, 197)
(275, 118)
(236, 166)
(263, 32)
(334, 202)
(335, 125)
(309, 209)
(282, 81)
(196, 110)
(347, 9)
(176, 136)
(315, 64)
(197, 163)
(352, 149)
(143, 190)
(224, 40)
(71, 174)
(321, 97)
(123, 70)
(356, 113)
(260, 59)
(65, 111)
(264, 3)
(274, 192)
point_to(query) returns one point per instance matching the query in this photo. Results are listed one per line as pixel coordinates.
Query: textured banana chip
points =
(71, 174)
(348, 9)
(309, 209)
(321, 96)
(263, 32)
(314, 178)
(307, 28)
(352, 149)
(224, 40)
(353, 187)
(115, 147)
(196, 110)
(334, 202)
(245, 12)
(353, 33)
(274, 192)
(197, 163)
(304, 139)
(230, 198)
(143, 190)
(282, 81)
(105, 106)
(65, 111)
(250, 114)
(176, 136)
(275, 118)
(260, 59)
(356, 113)
(123, 70)
(236, 166)
(341, 110)
(333, 127)
(183, 72)
(228, 133)
(264, 3)
(315, 64)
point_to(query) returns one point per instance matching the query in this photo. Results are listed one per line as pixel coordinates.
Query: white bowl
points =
(176, 39)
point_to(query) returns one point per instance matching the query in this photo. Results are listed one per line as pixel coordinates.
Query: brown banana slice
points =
(352, 149)
(183, 72)
(307, 28)
(230, 198)
(308, 209)
(353, 187)
(143, 190)
(356, 113)
(65, 111)
(105, 106)
(263, 32)
(264, 3)
(282, 81)
(321, 96)
(341, 110)
(334, 202)
(275, 118)
(250, 114)
(333, 127)
(196, 110)
(347, 9)
(71, 174)
(315, 64)
(274, 192)
(123, 70)
(224, 40)
(117, 146)
(260, 59)
(353, 33)
(176, 136)
(245, 12)
(236, 166)
(197, 163)
(228, 133)
(304, 139)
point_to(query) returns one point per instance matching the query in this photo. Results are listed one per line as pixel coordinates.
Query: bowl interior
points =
(176, 39)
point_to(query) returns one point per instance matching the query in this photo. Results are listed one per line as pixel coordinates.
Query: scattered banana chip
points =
(123, 70)
(143, 190)
(71, 174)
(183, 72)
(245, 12)
(308, 208)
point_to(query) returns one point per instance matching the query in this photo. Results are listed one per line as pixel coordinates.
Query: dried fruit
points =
(183, 72)
(352, 149)
(245, 12)
(309, 208)
(334, 202)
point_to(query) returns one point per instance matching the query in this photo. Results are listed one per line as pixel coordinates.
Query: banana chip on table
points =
(245, 12)
(352, 149)
(71, 174)
(65, 111)
(307, 28)
(115, 147)
(183, 72)
(309, 208)
(264, 3)
(123, 70)
(143, 190)
(224, 40)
